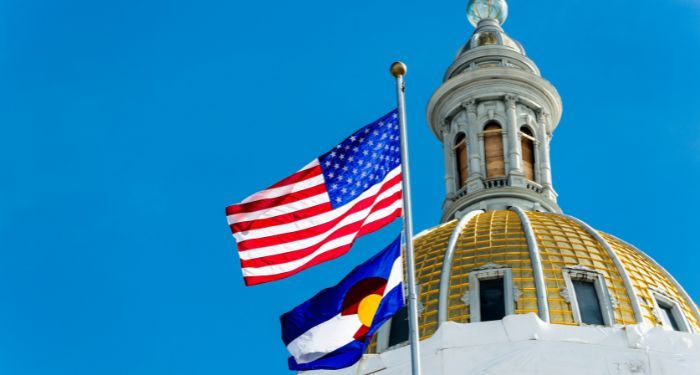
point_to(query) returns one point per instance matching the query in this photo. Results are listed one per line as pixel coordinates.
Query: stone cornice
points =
(452, 208)
(484, 83)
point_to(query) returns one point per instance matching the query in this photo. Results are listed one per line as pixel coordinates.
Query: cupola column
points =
(450, 181)
(475, 172)
(543, 142)
(513, 143)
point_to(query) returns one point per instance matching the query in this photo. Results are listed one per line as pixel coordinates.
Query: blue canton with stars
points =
(362, 160)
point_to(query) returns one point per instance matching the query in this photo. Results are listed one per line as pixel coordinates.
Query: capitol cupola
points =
(495, 115)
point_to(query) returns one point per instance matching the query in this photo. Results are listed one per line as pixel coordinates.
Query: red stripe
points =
(293, 216)
(281, 219)
(314, 231)
(296, 177)
(296, 255)
(328, 255)
(280, 239)
(276, 201)
(356, 227)
(379, 224)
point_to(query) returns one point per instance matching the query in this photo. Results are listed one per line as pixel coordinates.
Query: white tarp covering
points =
(523, 344)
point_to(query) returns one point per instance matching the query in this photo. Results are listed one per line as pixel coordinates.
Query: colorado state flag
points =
(331, 330)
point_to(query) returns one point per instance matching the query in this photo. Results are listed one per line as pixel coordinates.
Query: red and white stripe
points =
(292, 226)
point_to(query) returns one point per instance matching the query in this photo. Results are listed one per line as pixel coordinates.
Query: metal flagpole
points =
(398, 70)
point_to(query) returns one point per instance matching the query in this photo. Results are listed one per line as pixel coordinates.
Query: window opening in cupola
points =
(527, 141)
(462, 159)
(493, 148)
(486, 38)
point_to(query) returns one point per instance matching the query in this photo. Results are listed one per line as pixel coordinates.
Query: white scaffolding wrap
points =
(523, 344)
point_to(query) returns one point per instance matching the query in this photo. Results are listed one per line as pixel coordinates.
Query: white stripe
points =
(302, 204)
(305, 243)
(380, 214)
(285, 190)
(324, 338)
(395, 277)
(280, 210)
(256, 197)
(289, 266)
(313, 221)
(311, 241)
(338, 331)
(330, 245)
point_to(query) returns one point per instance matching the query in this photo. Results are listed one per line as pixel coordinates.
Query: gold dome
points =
(496, 239)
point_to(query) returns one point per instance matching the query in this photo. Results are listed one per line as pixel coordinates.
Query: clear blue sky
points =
(128, 126)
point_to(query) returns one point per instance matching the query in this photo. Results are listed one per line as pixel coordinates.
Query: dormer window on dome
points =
(588, 296)
(668, 312)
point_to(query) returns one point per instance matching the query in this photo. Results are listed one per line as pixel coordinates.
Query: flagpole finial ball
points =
(398, 69)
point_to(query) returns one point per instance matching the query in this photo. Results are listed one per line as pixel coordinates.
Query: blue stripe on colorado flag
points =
(332, 329)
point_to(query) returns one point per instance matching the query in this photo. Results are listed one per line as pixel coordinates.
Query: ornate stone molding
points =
(542, 116)
(489, 266)
(564, 293)
(465, 298)
(445, 132)
(491, 113)
(614, 302)
(511, 100)
(579, 267)
(469, 105)
(517, 293)
(445, 126)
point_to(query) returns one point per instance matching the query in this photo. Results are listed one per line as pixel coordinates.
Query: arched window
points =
(493, 148)
(460, 149)
(527, 141)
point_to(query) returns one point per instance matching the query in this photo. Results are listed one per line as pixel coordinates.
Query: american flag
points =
(316, 214)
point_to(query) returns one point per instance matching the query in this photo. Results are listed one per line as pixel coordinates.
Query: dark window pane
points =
(668, 317)
(492, 299)
(588, 303)
(398, 332)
